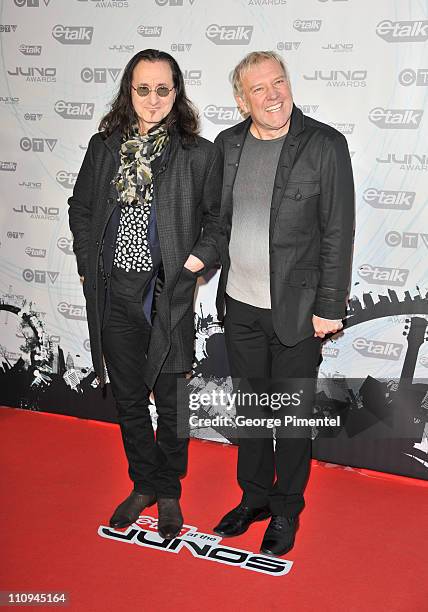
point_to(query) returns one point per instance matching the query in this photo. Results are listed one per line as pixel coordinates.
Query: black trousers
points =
(255, 352)
(155, 463)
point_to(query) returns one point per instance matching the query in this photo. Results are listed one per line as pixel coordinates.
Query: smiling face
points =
(152, 108)
(266, 96)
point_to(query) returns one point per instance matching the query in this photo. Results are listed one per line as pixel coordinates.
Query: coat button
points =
(97, 243)
(236, 164)
(238, 145)
(298, 196)
(303, 283)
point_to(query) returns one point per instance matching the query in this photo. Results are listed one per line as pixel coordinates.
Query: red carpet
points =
(361, 546)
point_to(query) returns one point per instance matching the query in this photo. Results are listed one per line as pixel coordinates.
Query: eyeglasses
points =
(161, 90)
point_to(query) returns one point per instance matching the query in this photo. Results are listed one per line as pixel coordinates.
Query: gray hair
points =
(253, 58)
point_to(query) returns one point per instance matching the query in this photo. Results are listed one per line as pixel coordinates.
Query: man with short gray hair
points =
(288, 215)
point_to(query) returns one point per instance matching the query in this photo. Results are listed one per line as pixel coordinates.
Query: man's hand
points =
(325, 326)
(194, 264)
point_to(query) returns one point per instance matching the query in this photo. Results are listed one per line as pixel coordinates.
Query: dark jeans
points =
(255, 352)
(155, 464)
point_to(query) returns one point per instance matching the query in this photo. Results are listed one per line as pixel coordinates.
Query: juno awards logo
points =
(203, 546)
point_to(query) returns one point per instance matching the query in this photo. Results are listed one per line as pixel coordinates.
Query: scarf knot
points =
(134, 179)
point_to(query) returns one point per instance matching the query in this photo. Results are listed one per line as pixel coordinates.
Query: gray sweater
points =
(248, 279)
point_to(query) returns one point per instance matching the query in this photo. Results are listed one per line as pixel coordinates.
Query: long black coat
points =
(311, 224)
(187, 193)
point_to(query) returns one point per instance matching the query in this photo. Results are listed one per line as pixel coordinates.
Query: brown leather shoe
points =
(129, 510)
(170, 519)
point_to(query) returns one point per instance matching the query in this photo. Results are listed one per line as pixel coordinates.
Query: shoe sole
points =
(262, 517)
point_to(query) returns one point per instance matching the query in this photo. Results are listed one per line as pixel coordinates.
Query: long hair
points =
(183, 115)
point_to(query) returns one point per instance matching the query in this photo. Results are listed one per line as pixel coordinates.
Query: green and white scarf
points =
(134, 178)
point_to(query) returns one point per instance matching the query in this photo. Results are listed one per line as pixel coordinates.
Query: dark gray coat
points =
(187, 191)
(311, 224)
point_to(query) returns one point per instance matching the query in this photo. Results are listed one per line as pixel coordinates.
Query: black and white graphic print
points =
(132, 247)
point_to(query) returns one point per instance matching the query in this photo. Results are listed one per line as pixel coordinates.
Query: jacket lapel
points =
(112, 143)
(286, 162)
(232, 153)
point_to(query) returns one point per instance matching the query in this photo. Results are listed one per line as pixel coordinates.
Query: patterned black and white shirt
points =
(132, 248)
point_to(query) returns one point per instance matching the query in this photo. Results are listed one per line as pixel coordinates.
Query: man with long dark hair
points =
(144, 217)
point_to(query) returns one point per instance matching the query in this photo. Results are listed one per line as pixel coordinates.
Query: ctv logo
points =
(308, 109)
(99, 75)
(419, 77)
(407, 240)
(37, 144)
(30, 3)
(173, 2)
(33, 116)
(39, 276)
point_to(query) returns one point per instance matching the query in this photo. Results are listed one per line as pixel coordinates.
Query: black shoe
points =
(129, 510)
(280, 534)
(239, 519)
(170, 519)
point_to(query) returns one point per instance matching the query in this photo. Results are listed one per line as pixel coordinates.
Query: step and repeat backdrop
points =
(358, 65)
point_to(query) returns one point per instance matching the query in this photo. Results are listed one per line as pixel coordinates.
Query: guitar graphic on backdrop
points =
(416, 336)
(415, 394)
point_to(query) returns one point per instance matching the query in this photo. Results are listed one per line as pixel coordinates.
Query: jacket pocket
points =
(302, 191)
